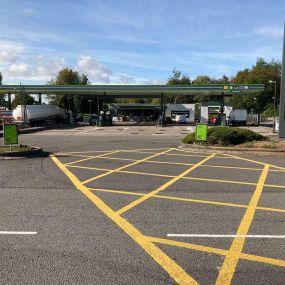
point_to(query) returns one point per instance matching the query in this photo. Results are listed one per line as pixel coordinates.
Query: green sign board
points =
(201, 132)
(10, 134)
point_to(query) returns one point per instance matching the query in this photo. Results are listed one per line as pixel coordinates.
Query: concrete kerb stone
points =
(34, 152)
(232, 150)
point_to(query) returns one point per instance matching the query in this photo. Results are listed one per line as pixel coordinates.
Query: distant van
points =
(238, 117)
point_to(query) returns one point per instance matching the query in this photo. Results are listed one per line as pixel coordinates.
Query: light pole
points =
(258, 110)
(274, 103)
(90, 105)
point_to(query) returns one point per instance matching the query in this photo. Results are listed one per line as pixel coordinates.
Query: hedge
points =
(225, 136)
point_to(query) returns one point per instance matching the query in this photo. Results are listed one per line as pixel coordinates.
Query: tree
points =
(28, 99)
(75, 103)
(260, 73)
(202, 79)
(177, 78)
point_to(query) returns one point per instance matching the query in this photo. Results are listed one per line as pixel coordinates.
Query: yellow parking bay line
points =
(219, 251)
(190, 200)
(228, 268)
(163, 187)
(169, 265)
(125, 166)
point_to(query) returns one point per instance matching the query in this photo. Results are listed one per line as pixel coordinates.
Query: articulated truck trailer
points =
(39, 115)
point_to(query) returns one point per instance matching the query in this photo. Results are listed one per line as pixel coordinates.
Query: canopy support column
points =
(162, 110)
(282, 95)
(222, 110)
(104, 108)
(9, 101)
(40, 98)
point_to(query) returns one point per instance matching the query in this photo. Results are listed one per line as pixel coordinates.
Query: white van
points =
(238, 117)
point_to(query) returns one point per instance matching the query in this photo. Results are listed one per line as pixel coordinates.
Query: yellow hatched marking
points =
(169, 265)
(233, 182)
(220, 180)
(131, 150)
(169, 162)
(255, 161)
(172, 176)
(162, 187)
(91, 157)
(215, 203)
(227, 271)
(189, 164)
(123, 167)
(212, 250)
(120, 171)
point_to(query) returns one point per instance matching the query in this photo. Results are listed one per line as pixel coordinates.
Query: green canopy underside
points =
(126, 91)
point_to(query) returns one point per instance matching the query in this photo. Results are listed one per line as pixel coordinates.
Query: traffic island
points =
(224, 139)
(14, 152)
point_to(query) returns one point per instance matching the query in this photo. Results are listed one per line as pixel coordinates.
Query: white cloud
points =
(42, 68)
(275, 32)
(29, 12)
(10, 51)
(94, 69)
(48, 66)
(17, 70)
(128, 79)
(8, 56)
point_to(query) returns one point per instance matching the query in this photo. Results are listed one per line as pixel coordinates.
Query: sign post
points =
(10, 134)
(201, 132)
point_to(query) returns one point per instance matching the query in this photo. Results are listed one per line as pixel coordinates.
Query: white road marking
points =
(16, 233)
(226, 236)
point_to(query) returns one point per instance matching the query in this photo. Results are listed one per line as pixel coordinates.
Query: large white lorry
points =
(237, 117)
(38, 115)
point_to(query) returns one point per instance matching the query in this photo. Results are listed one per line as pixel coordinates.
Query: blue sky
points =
(120, 41)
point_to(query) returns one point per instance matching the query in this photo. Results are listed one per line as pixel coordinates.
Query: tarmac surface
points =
(124, 207)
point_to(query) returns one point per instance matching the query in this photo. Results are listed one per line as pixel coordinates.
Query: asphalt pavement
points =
(124, 207)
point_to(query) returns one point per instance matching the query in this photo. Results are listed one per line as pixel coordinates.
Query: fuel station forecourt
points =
(103, 93)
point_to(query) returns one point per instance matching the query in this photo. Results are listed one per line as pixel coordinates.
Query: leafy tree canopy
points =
(76, 103)
(261, 73)
(18, 100)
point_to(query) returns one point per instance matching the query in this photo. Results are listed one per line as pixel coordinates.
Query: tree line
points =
(260, 73)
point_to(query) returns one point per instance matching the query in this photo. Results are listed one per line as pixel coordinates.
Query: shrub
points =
(225, 136)
(189, 139)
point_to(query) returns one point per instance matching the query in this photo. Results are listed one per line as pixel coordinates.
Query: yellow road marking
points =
(172, 176)
(125, 166)
(255, 161)
(216, 203)
(131, 150)
(169, 265)
(233, 182)
(91, 157)
(170, 162)
(227, 271)
(162, 187)
(120, 171)
(245, 256)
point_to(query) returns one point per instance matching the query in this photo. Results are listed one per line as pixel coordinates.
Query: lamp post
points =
(274, 103)
(258, 110)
